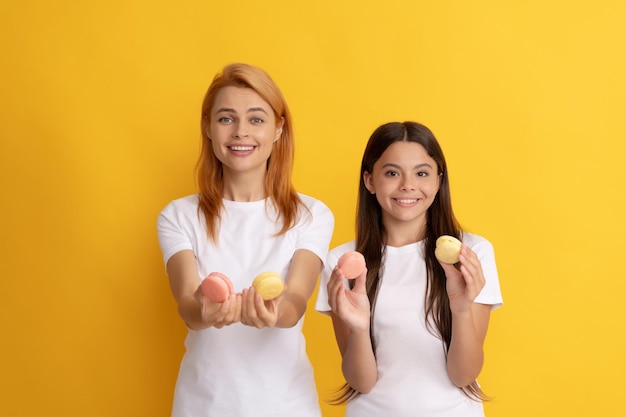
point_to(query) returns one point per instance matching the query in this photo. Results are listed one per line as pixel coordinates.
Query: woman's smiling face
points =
(243, 130)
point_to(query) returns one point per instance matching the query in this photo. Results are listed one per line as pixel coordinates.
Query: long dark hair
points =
(370, 235)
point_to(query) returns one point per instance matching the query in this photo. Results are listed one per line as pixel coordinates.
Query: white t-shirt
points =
(412, 377)
(240, 370)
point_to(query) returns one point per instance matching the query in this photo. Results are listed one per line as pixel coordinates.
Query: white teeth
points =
(241, 148)
(406, 201)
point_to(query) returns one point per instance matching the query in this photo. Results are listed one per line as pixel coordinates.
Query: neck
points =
(242, 187)
(401, 234)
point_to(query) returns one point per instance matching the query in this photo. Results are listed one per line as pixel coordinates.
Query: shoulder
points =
(337, 251)
(483, 249)
(312, 203)
(473, 240)
(187, 204)
(343, 248)
(317, 209)
(491, 293)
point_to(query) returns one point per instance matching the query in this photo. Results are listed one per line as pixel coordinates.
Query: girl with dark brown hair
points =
(410, 328)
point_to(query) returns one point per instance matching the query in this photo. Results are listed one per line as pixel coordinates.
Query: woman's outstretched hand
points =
(219, 315)
(257, 312)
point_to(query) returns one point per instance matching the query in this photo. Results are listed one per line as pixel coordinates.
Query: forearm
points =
(189, 310)
(465, 355)
(300, 283)
(184, 281)
(358, 362)
(291, 308)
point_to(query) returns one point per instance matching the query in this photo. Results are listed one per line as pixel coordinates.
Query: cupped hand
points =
(219, 315)
(257, 312)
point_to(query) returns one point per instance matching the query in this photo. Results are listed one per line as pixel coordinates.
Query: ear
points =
(369, 182)
(279, 128)
(206, 127)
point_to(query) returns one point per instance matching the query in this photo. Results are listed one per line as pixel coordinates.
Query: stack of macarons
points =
(217, 287)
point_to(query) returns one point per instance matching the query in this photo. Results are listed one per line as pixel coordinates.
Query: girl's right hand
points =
(351, 306)
(219, 315)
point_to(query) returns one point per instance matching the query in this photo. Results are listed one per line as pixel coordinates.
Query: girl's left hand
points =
(257, 312)
(464, 284)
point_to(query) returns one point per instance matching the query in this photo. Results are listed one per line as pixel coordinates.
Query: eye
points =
(256, 121)
(391, 173)
(225, 120)
(423, 174)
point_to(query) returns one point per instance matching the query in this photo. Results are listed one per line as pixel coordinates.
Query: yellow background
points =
(100, 129)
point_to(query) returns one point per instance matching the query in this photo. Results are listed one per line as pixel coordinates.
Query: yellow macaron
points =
(269, 285)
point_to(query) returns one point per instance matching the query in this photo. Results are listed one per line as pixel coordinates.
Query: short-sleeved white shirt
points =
(240, 370)
(412, 377)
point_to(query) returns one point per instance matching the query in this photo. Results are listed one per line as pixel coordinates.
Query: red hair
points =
(278, 186)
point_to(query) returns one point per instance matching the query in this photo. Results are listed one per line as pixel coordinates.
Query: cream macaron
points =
(447, 249)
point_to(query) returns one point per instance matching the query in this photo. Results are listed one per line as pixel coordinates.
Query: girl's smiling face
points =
(243, 129)
(405, 180)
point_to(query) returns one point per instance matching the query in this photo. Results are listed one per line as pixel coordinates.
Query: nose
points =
(407, 185)
(240, 131)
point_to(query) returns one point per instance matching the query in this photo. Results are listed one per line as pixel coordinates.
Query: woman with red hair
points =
(245, 356)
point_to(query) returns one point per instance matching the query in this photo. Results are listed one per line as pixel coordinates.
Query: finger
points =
(336, 290)
(471, 264)
(331, 299)
(245, 307)
(252, 313)
(474, 279)
(450, 270)
(238, 306)
(267, 313)
(232, 309)
(333, 284)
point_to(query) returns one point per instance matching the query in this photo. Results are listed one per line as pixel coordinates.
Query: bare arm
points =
(465, 356)
(301, 279)
(351, 321)
(196, 311)
(469, 320)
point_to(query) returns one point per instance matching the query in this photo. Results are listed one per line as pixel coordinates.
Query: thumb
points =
(359, 282)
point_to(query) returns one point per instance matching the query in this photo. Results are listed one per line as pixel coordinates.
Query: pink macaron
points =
(216, 287)
(352, 264)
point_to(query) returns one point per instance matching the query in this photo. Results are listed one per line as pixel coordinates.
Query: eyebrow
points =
(250, 110)
(392, 165)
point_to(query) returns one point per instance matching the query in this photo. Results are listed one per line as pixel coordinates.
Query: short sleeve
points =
(321, 303)
(316, 236)
(170, 228)
(491, 293)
